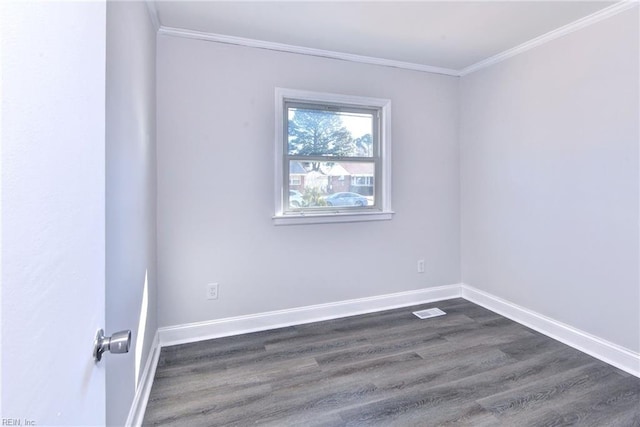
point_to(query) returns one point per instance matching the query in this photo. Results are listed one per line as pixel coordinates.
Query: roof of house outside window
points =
(358, 169)
(295, 168)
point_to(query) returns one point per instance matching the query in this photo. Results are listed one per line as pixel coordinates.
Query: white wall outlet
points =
(420, 266)
(212, 291)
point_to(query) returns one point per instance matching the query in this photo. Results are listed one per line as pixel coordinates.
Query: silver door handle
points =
(116, 343)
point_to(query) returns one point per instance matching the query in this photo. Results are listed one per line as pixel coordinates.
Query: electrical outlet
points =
(212, 291)
(420, 266)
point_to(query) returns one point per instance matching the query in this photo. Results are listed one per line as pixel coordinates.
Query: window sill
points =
(326, 218)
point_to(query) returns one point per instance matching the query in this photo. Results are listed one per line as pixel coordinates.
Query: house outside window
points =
(334, 151)
(294, 180)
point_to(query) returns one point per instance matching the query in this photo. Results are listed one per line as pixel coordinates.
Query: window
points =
(295, 180)
(334, 151)
(366, 181)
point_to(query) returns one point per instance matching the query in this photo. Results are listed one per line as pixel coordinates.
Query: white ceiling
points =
(446, 34)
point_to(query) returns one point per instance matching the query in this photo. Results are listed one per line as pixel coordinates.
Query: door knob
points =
(119, 342)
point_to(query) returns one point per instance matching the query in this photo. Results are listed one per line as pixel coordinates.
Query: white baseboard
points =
(315, 313)
(141, 397)
(599, 348)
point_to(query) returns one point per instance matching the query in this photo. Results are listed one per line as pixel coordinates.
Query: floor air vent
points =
(430, 312)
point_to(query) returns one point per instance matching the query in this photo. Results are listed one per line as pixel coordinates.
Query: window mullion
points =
(330, 159)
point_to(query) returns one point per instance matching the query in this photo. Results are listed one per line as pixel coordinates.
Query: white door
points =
(53, 211)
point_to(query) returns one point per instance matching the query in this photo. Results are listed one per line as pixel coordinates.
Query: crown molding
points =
(598, 16)
(281, 47)
(551, 35)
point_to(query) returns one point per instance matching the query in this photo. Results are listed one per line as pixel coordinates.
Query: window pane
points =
(329, 133)
(325, 184)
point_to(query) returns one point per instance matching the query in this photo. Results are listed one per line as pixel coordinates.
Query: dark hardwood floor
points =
(470, 367)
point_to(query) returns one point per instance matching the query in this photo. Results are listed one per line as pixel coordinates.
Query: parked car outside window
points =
(346, 199)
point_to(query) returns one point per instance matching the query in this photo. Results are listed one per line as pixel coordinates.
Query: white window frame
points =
(383, 210)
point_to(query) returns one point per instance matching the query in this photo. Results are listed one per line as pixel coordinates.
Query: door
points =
(53, 211)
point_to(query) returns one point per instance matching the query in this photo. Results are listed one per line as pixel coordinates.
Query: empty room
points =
(310, 213)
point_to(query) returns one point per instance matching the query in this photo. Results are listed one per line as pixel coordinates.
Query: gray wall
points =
(215, 186)
(549, 171)
(130, 196)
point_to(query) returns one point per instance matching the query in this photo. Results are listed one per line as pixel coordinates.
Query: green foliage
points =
(364, 145)
(318, 133)
(314, 197)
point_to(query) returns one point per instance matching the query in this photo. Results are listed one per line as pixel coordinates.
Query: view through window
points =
(332, 157)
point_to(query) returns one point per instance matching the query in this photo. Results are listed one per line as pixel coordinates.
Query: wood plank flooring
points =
(470, 367)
